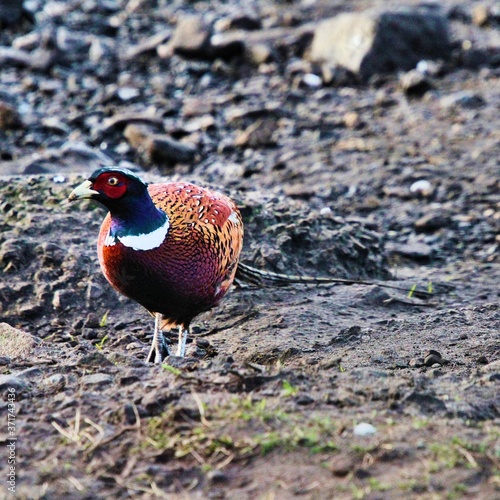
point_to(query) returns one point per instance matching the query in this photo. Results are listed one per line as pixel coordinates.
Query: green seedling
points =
(104, 320)
(172, 369)
(412, 291)
(289, 389)
(101, 343)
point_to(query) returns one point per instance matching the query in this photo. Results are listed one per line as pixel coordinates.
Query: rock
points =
(239, 22)
(158, 148)
(127, 93)
(311, 80)
(465, 99)
(364, 429)
(482, 360)
(30, 373)
(414, 83)
(39, 59)
(351, 120)
(414, 250)
(194, 106)
(398, 452)
(96, 379)
(373, 42)
(69, 157)
(11, 12)
(101, 49)
(259, 133)
(203, 343)
(427, 403)
(15, 343)
(9, 117)
(422, 188)
(258, 53)
(217, 476)
(50, 254)
(14, 253)
(431, 222)
(481, 14)
(92, 321)
(342, 465)
(11, 382)
(432, 359)
(431, 68)
(94, 359)
(337, 76)
(71, 42)
(304, 400)
(191, 38)
(64, 299)
(154, 401)
(55, 379)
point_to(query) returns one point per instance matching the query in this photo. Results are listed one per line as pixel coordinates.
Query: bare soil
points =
(267, 402)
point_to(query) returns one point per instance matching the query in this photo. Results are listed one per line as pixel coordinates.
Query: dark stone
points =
(9, 117)
(414, 83)
(432, 222)
(427, 403)
(342, 465)
(11, 11)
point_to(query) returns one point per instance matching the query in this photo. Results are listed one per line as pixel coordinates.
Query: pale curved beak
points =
(82, 192)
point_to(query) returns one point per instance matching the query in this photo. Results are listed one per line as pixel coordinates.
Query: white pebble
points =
(127, 93)
(422, 187)
(364, 429)
(58, 179)
(422, 66)
(312, 80)
(325, 211)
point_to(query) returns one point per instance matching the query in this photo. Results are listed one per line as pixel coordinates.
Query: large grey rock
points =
(16, 343)
(372, 42)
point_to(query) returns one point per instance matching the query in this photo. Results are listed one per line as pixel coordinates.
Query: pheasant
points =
(174, 249)
(171, 247)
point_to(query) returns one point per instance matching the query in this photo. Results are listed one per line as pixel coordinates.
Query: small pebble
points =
(127, 93)
(311, 80)
(422, 188)
(217, 476)
(55, 379)
(12, 382)
(351, 119)
(203, 343)
(432, 359)
(416, 363)
(364, 429)
(415, 83)
(4, 360)
(97, 379)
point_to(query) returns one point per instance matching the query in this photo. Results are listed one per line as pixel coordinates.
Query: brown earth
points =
(267, 402)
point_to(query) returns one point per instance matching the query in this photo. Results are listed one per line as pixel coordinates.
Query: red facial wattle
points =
(112, 185)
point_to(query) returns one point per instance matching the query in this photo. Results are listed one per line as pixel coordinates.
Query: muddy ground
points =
(267, 403)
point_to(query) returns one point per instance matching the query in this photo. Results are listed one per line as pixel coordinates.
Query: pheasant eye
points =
(113, 181)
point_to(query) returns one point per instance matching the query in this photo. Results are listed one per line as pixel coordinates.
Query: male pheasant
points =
(171, 247)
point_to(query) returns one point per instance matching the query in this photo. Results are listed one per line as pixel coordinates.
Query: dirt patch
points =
(356, 180)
